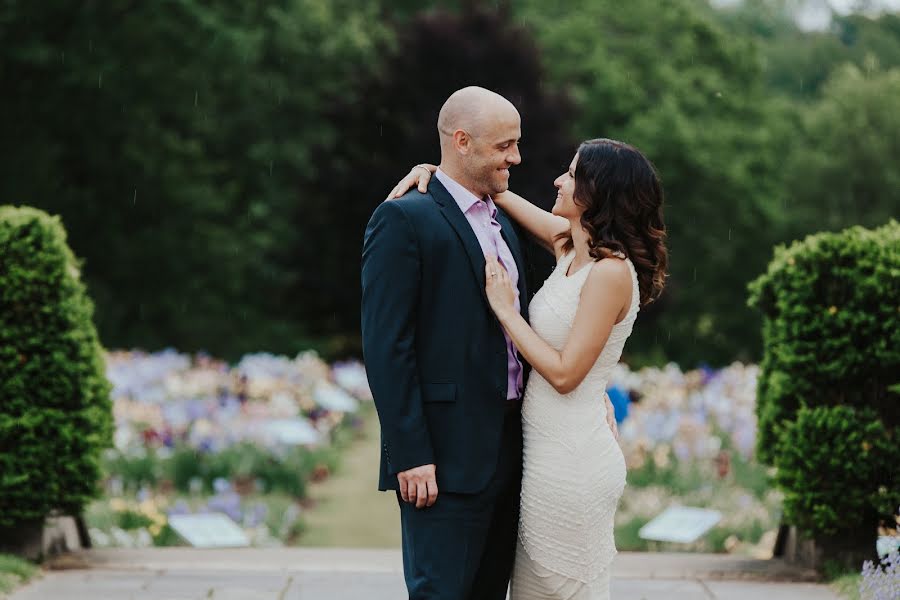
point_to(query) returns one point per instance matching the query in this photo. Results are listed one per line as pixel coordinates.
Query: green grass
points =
(627, 538)
(749, 505)
(348, 510)
(847, 586)
(14, 571)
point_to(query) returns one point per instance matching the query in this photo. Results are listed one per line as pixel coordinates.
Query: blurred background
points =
(214, 165)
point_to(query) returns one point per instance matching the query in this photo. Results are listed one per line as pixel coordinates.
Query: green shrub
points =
(14, 571)
(55, 411)
(831, 331)
(288, 471)
(135, 470)
(827, 401)
(835, 465)
(130, 519)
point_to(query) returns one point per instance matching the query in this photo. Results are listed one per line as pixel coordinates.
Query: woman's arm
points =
(543, 226)
(418, 176)
(605, 299)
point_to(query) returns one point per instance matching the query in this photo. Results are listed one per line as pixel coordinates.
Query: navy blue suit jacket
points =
(434, 352)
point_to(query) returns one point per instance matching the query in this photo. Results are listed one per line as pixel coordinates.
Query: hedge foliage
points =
(835, 462)
(828, 395)
(831, 330)
(55, 410)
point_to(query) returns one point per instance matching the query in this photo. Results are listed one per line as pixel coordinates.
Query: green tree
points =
(828, 387)
(844, 168)
(174, 138)
(668, 79)
(834, 464)
(797, 63)
(55, 411)
(831, 327)
(436, 53)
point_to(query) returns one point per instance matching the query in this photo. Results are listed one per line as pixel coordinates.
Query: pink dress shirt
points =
(481, 215)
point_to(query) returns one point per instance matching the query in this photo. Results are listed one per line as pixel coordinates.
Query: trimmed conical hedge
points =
(828, 400)
(55, 410)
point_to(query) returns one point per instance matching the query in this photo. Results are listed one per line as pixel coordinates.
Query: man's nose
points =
(514, 157)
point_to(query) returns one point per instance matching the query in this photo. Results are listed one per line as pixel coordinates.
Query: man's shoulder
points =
(413, 205)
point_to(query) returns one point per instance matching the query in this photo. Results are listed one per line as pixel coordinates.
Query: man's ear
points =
(462, 141)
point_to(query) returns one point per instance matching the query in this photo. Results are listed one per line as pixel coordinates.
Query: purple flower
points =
(179, 508)
(881, 581)
(228, 503)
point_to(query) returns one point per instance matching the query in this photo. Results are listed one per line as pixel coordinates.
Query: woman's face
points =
(565, 199)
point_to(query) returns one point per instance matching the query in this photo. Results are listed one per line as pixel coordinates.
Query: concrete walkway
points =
(337, 574)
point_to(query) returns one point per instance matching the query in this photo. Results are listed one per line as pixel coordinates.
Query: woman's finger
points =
(493, 274)
(500, 270)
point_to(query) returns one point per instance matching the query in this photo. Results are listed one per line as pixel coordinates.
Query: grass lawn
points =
(14, 571)
(847, 586)
(348, 510)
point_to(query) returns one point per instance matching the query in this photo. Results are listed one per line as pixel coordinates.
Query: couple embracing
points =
(501, 483)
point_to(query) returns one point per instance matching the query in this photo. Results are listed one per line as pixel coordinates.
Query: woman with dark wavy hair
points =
(606, 230)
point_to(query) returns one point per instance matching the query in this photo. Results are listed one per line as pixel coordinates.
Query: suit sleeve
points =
(390, 293)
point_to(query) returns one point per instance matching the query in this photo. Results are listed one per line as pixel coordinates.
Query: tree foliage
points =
(55, 411)
(668, 79)
(797, 63)
(845, 170)
(435, 53)
(831, 327)
(174, 138)
(835, 461)
(215, 163)
(827, 400)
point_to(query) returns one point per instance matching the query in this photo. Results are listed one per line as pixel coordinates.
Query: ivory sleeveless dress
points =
(573, 469)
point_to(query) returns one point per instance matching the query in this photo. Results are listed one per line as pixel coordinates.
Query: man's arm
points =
(390, 291)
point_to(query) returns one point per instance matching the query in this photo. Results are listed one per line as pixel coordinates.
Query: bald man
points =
(446, 379)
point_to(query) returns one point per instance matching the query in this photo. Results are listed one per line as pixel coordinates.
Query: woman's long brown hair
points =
(622, 198)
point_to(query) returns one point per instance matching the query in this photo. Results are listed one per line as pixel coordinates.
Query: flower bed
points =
(196, 435)
(689, 440)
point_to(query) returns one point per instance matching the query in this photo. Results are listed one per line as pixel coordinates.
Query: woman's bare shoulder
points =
(609, 275)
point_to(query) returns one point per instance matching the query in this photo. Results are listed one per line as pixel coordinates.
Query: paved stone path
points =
(338, 574)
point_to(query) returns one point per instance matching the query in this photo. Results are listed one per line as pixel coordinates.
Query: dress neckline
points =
(568, 264)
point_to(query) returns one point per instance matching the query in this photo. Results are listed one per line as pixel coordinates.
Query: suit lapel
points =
(512, 241)
(450, 210)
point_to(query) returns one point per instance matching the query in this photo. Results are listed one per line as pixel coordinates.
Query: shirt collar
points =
(463, 197)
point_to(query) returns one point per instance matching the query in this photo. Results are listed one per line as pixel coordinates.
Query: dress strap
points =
(565, 260)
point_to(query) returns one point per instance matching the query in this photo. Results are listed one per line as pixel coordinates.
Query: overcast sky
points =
(816, 14)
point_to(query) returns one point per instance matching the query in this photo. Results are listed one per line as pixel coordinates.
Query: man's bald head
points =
(480, 133)
(472, 109)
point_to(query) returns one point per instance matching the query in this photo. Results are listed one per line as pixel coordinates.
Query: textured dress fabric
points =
(573, 468)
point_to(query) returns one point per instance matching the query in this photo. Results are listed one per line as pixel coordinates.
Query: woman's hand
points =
(500, 292)
(419, 177)
(611, 417)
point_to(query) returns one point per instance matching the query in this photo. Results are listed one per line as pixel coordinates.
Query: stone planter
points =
(848, 550)
(38, 540)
